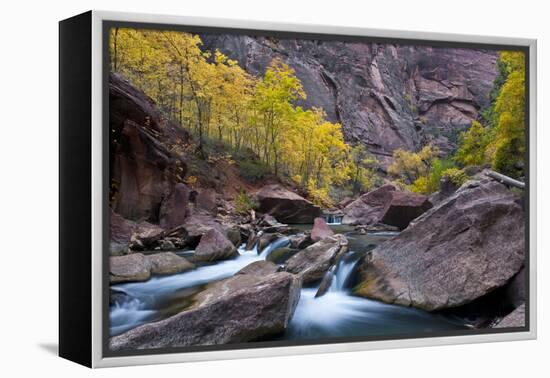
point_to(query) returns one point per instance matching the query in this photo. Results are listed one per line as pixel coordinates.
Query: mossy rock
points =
(280, 255)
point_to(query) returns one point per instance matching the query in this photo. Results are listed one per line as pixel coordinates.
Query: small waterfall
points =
(332, 219)
(343, 271)
(279, 243)
(143, 298)
(336, 277)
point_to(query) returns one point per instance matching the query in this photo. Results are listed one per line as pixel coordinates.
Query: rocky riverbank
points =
(233, 276)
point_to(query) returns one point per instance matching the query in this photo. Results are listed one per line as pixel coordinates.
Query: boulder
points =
(139, 267)
(403, 208)
(300, 241)
(515, 319)
(120, 229)
(320, 230)
(214, 246)
(206, 200)
(286, 206)
(469, 245)
(196, 226)
(368, 208)
(146, 236)
(233, 233)
(312, 263)
(242, 308)
(168, 263)
(280, 255)
(133, 267)
(265, 239)
(386, 205)
(262, 268)
(174, 208)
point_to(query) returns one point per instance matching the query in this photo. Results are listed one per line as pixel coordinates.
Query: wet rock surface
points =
(242, 308)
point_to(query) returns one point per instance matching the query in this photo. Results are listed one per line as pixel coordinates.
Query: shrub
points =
(455, 175)
(243, 203)
(253, 170)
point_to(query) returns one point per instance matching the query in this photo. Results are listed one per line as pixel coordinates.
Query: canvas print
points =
(278, 189)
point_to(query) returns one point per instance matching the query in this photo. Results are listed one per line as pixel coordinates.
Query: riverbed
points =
(338, 313)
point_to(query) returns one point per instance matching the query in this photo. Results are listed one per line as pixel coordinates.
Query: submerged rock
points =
(386, 205)
(245, 307)
(215, 246)
(280, 255)
(139, 267)
(312, 263)
(320, 230)
(470, 244)
(286, 206)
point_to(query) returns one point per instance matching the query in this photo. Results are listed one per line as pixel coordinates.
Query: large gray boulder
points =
(386, 205)
(214, 246)
(312, 263)
(245, 307)
(286, 206)
(470, 244)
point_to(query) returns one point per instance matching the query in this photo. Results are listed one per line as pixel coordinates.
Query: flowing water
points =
(337, 313)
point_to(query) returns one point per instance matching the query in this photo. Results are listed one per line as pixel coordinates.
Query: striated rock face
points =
(245, 307)
(143, 170)
(386, 205)
(469, 245)
(312, 263)
(286, 206)
(385, 96)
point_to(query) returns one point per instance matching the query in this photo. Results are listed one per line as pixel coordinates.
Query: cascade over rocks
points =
(312, 263)
(245, 307)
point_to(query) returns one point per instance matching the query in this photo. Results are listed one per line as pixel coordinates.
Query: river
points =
(338, 313)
